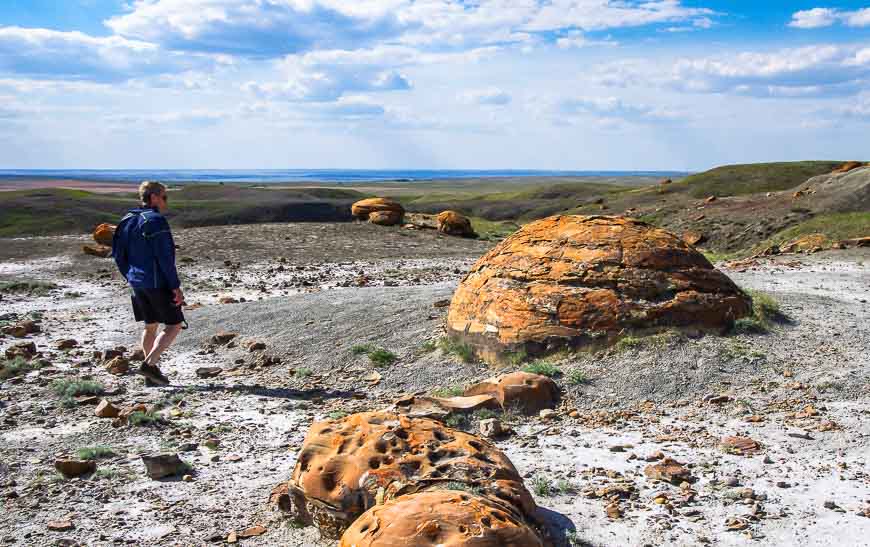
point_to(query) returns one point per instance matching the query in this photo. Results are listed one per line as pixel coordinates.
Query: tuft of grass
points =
(67, 388)
(457, 421)
(542, 487)
(150, 418)
(381, 357)
(544, 368)
(31, 287)
(303, 372)
(516, 358)
(564, 486)
(452, 391)
(765, 312)
(484, 414)
(336, 414)
(629, 342)
(95, 452)
(577, 378)
(463, 351)
(429, 346)
(9, 368)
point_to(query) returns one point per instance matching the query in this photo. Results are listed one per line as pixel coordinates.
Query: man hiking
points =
(144, 251)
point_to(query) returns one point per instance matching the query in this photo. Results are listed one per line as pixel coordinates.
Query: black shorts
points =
(155, 306)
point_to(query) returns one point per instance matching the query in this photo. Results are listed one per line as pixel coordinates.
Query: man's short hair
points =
(149, 188)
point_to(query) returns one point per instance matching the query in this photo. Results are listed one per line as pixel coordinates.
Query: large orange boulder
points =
(104, 233)
(848, 166)
(389, 211)
(349, 465)
(576, 280)
(444, 518)
(455, 224)
(523, 391)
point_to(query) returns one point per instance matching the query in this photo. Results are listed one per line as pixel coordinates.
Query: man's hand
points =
(177, 298)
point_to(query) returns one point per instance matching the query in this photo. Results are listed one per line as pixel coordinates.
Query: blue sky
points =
(555, 84)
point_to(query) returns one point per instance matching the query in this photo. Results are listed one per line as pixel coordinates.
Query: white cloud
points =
(491, 96)
(826, 17)
(266, 28)
(55, 55)
(812, 71)
(612, 109)
(604, 14)
(273, 28)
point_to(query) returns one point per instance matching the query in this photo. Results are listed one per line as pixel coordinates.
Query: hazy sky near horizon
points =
(464, 84)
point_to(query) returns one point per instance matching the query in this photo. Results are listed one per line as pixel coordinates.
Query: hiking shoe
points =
(152, 374)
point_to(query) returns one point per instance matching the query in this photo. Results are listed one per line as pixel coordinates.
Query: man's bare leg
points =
(149, 334)
(162, 343)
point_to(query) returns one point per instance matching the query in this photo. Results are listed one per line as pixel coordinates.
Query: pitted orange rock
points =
(574, 280)
(349, 465)
(364, 208)
(455, 224)
(444, 518)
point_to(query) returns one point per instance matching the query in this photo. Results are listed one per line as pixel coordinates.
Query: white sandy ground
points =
(263, 431)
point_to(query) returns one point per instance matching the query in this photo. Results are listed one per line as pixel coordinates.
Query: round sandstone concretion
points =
(385, 218)
(104, 233)
(444, 518)
(365, 207)
(455, 224)
(572, 280)
(349, 465)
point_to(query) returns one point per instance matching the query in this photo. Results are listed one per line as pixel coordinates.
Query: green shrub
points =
(452, 391)
(765, 312)
(303, 372)
(577, 377)
(542, 487)
(429, 346)
(463, 351)
(67, 388)
(381, 357)
(149, 418)
(378, 356)
(544, 368)
(9, 368)
(95, 452)
(27, 286)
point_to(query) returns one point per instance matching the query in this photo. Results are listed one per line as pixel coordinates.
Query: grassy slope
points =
(59, 211)
(834, 226)
(735, 180)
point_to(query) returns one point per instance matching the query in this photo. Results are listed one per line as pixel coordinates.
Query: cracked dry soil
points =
(314, 291)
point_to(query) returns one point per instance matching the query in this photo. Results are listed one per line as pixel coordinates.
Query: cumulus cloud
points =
(273, 28)
(604, 14)
(826, 17)
(50, 54)
(812, 71)
(491, 96)
(266, 28)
